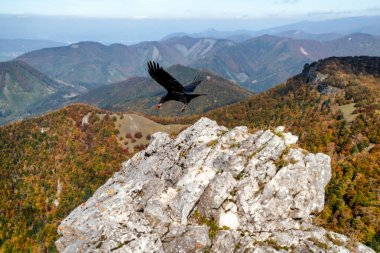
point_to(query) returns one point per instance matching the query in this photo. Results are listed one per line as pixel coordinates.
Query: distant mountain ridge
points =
(256, 64)
(301, 35)
(131, 31)
(347, 25)
(321, 30)
(242, 35)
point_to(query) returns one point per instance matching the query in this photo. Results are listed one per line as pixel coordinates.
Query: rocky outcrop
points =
(209, 190)
(317, 79)
(317, 73)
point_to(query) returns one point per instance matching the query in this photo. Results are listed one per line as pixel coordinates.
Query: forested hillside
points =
(23, 90)
(48, 166)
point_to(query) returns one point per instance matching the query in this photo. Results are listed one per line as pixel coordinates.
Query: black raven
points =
(176, 91)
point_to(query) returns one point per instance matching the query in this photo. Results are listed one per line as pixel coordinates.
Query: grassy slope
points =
(135, 131)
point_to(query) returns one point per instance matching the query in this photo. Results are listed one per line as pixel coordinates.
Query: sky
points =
(193, 9)
(132, 21)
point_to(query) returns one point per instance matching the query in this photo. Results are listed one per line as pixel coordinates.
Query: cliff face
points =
(210, 189)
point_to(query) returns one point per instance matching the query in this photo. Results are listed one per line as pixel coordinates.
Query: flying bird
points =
(175, 90)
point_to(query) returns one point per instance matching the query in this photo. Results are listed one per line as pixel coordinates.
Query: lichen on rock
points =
(209, 189)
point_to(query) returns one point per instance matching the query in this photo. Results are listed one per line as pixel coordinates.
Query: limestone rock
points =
(209, 189)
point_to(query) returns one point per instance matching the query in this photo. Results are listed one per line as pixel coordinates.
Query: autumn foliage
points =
(83, 157)
(44, 174)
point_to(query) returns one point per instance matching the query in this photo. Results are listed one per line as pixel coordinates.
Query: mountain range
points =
(256, 64)
(25, 91)
(311, 77)
(348, 25)
(131, 31)
(317, 30)
(332, 105)
(118, 70)
(240, 36)
(83, 72)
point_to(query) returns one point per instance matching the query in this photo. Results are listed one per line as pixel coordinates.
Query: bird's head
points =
(162, 100)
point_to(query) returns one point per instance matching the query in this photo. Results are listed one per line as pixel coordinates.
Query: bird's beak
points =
(159, 106)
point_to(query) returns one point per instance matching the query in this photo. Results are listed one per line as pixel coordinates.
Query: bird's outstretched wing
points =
(164, 78)
(190, 87)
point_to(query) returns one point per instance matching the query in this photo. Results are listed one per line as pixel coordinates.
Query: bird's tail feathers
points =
(189, 97)
(195, 95)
